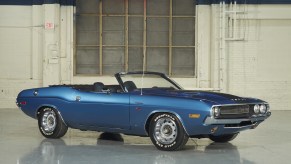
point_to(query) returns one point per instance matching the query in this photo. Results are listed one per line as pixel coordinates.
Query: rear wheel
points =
(166, 132)
(223, 138)
(50, 124)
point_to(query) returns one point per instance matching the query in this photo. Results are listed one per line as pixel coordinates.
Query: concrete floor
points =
(21, 142)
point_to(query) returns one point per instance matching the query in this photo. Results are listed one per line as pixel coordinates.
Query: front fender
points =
(150, 115)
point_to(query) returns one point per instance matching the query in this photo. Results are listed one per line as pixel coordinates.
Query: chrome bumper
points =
(253, 119)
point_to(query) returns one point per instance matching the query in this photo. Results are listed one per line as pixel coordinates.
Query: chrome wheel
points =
(48, 122)
(165, 131)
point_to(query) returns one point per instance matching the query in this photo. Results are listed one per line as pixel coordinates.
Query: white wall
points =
(32, 54)
(257, 66)
(257, 63)
(17, 63)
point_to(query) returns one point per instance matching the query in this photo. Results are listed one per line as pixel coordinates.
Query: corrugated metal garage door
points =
(114, 35)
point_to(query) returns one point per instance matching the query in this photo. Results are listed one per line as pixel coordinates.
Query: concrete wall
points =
(19, 67)
(37, 49)
(252, 57)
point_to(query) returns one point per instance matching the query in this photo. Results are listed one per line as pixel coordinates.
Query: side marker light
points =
(194, 115)
(22, 103)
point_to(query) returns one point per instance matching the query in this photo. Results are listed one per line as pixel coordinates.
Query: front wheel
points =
(167, 132)
(223, 138)
(50, 124)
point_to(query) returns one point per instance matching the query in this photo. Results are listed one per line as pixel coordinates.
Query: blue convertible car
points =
(142, 104)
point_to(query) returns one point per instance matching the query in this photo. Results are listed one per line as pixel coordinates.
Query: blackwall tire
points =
(223, 138)
(50, 124)
(167, 132)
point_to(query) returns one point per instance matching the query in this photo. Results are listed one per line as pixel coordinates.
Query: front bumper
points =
(254, 120)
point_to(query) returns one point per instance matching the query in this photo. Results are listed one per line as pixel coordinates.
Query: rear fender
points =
(49, 106)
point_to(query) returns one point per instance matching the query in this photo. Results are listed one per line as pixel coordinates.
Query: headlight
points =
(215, 111)
(257, 109)
(263, 108)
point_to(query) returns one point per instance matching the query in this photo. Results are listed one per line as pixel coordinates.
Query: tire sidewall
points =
(180, 132)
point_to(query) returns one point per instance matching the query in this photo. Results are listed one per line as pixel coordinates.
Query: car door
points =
(101, 110)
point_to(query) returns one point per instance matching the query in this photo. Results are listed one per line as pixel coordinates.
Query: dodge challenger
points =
(142, 104)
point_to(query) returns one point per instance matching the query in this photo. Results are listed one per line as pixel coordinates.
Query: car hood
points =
(215, 97)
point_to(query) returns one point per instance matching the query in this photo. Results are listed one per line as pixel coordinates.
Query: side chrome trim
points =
(165, 111)
(61, 117)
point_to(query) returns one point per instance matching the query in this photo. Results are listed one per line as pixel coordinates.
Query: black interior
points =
(130, 86)
(96, 87)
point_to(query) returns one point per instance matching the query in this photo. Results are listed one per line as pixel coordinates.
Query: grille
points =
(236, 111)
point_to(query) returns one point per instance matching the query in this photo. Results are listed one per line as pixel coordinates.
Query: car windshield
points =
(148, 81)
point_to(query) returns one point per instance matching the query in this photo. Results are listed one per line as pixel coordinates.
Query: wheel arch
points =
(49, 106)
(151, 115)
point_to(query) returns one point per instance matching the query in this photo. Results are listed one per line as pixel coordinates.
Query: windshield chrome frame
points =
(119, 79)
